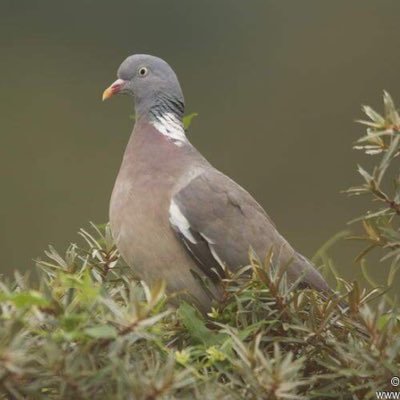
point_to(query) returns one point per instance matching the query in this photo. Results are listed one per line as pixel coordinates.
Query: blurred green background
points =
(277, 85)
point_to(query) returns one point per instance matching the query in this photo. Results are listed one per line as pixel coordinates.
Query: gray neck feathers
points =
(166, 114)
(167, 105)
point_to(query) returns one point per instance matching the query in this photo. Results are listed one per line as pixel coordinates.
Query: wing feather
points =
(218, 222)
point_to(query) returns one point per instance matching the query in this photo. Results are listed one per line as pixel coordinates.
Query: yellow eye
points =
(143, 71)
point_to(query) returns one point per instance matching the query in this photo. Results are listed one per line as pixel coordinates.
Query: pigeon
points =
(173, 216)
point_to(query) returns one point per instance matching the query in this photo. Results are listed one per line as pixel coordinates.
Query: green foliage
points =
(188, 119)
(90, 330)
(381, 223)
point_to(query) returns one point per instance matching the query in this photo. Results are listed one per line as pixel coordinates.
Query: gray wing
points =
(218, 221)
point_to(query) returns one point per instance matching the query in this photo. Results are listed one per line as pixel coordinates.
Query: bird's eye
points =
(143, 71)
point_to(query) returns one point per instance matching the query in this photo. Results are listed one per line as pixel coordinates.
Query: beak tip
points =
(113, 89)
(107, 94)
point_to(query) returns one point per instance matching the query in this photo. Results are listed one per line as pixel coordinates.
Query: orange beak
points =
(113, 89)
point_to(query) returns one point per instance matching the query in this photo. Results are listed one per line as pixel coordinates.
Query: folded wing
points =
(218, 222)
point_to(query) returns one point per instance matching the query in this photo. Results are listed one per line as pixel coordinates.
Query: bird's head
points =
(151, 82)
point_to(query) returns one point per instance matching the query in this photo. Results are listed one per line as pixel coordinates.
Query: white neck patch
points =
(170, 126)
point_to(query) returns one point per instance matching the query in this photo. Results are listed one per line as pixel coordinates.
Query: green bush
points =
(88, 329)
